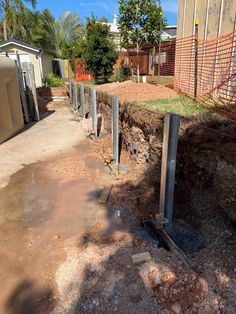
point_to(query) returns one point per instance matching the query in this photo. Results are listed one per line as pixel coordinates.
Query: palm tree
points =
(64, 32)
(69, 27)
(9, 10)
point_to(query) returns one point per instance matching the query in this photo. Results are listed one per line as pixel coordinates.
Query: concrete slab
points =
(55, 134)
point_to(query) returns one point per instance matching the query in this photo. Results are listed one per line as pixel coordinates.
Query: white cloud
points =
(107, 5)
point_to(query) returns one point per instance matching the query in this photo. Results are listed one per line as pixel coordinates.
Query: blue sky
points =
(100, 8)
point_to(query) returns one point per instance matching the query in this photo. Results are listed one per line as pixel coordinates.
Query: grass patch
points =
(163, 80)
(181, 105)
(89, 83)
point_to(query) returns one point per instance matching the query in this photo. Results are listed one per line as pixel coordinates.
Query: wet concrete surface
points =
(43, 205)
(57, 133)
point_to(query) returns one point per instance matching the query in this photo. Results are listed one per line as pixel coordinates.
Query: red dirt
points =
(130, 91)
(51, 208)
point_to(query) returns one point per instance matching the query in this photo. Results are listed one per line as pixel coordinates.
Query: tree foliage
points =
(60, 37)
(99, 51)
(140, 22)
(9, 10)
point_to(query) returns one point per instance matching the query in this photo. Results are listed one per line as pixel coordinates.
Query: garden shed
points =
(42, 61)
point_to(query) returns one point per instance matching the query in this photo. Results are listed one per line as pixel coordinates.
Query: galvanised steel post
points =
(94, 111)
(82, 101)
(169, 153)
(196, 61)
(115, 129)
(75, 100)
(70, 91)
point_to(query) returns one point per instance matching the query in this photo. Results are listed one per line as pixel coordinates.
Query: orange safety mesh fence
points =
(201, 69)
(206, 70)
(80, 71)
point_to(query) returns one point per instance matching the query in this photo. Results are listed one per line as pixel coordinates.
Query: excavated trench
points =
(205, 191)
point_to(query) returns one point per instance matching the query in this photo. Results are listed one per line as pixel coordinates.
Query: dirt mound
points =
(130, 91)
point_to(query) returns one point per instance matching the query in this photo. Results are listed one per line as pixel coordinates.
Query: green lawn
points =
(163, 80)
(181, 105)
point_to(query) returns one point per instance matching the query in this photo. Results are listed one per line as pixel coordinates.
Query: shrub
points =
(123, 73)
(51, 80)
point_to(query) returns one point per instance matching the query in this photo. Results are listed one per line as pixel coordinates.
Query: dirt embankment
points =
(204, 194)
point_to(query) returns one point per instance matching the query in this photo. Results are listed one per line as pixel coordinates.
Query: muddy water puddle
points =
(43, 205)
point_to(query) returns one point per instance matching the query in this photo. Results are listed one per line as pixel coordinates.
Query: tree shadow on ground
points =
(27, 299)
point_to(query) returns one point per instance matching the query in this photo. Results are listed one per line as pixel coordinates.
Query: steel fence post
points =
(169, 153)
(196, 60)
(94, 111)
(82, 102)
(115, 129)
(70, 91)
(75, 100)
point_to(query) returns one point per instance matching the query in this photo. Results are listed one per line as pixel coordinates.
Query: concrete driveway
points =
(49, 183)
(56, 133)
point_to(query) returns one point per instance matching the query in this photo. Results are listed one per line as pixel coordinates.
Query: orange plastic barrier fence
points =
(206, 70)
(80, 71)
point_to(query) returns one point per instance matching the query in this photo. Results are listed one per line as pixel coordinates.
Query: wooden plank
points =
(105, 195)
(34, 92)
(141, 258)
(22, 91)
(175, 249)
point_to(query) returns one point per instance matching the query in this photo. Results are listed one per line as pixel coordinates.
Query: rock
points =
(141, 258)
(56, 237)
(158, 281)
(222, 278)
(176, 308)
(96, 302)
(94, 282)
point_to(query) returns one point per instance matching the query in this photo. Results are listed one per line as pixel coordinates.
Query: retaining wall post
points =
(75, 99)
(70, 91)
(115, 129)
(169, 153)
(94, 111)
(82, 100)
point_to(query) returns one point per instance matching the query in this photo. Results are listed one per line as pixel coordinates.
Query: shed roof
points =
(18, 43)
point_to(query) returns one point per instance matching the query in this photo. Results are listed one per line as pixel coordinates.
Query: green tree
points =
(42, 30)
(65, 32)
(100, 54)
(45, 35)
(154, 25)
(140, 22)
(37, 28)
(103, 20)
(70, 27)
(9, 10)
(74, 51)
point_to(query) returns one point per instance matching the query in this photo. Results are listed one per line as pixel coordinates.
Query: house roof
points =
(18, 43)
(171, 30)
